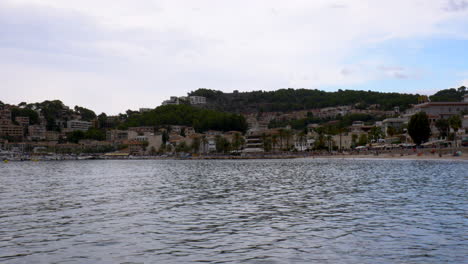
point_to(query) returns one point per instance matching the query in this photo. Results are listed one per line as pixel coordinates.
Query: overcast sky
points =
(113, 55)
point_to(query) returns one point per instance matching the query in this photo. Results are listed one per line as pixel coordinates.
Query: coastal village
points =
(24, 138)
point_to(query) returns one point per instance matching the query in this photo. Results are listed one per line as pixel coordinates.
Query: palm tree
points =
(204, 142)
(195, 144)
(282, 135)
(274, 141)
(456, 123)
(237, 142)
(288, 135)
(329, 140)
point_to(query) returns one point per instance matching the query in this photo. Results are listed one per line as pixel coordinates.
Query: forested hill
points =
(186, 115)
(299, 99)
(449, 95)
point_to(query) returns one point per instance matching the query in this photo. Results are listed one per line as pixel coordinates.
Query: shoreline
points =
(369, 156)
(463, 157)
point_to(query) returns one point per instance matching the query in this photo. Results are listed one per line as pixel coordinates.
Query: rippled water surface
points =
(256, 211)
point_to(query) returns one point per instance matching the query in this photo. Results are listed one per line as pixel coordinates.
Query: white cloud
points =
(156, 48)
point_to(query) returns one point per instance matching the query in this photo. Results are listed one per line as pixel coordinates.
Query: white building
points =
(74, 125)
(439, 110)
(143, 110)
(197, 100)
(396, 123)
(172, 101)
(193, 100)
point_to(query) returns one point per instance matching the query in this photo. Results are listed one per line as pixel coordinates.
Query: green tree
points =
(165, 137)
(96, 134)
(222, 144)
(186, 115)
(102, 120)
(391, 131)
(238, 141)
(86, 114)
(442, 126)
(182, 147)
(76, 136)
(354, 139)
(362, 140)
(449, 95)
(274, 141)
(196, 145)
(266, 141)
(204, 142)
(26, 112)
(320, 140)
(455, 122)
(419, 128)
(376, 133)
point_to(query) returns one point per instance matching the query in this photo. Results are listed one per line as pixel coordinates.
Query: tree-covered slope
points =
(299, 99)
(449, 95)
(200, 119)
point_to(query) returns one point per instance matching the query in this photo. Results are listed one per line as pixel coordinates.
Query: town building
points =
(11, 130)
(142, 129)
(37, 132)
(173, 100)
(116, 135)
(143, 110)
(358, 127)
(22, 120)
(193, 100)
(440, 110)
(396, 123)
(5, 114)
(197, 100)
(52, 135)
(253, 143)
(75, 125)
(111, 121)
(213, 132)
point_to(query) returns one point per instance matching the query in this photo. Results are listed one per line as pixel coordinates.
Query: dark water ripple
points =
(264, 211)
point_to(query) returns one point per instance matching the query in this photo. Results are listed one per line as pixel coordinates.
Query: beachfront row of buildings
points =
(259, 138)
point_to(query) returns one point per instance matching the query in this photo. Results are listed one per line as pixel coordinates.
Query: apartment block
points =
(74, 125)
(37, 132)
(11, 130)
(22, 120)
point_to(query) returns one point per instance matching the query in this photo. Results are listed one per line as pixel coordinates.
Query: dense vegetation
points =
(86, 114)
(26, 112)
(92, 133)
(449, 95)
(200, 119)
(52, 111)
(343, 121)
(300, 99)
(419, 128)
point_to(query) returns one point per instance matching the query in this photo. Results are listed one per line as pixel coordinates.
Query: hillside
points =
(449, 95)
(300, 99)
(186, 115)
